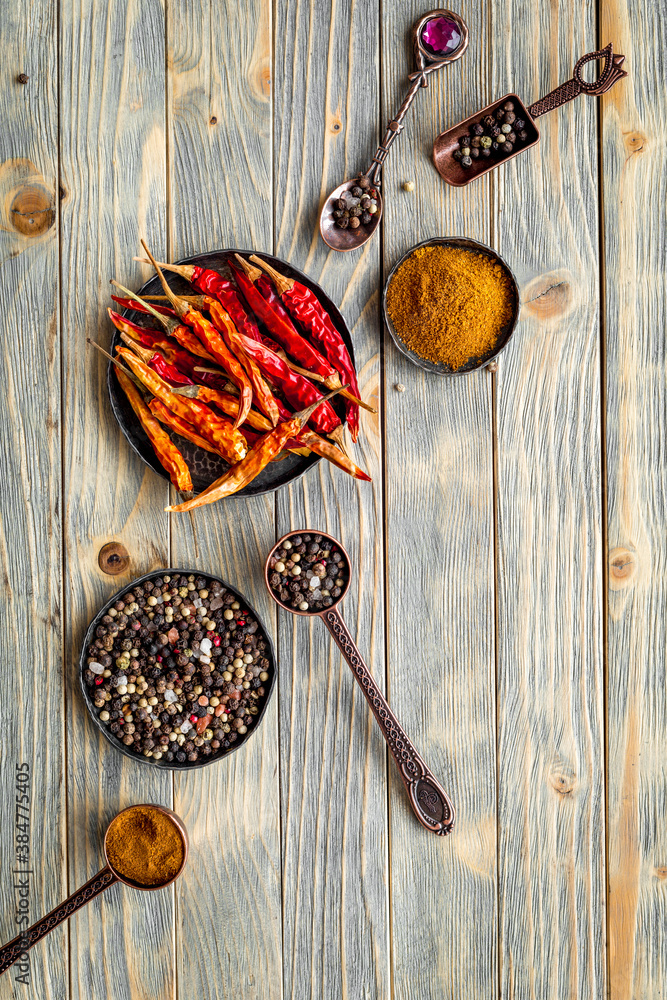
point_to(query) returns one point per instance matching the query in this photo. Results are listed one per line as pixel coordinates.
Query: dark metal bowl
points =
(472, 364)
(106, 732)
(206, 467)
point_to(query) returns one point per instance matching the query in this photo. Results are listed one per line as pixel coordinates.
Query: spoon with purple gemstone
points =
(439, 38)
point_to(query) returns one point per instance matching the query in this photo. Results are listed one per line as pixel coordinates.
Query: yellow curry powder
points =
(449, 305)
(144, 845)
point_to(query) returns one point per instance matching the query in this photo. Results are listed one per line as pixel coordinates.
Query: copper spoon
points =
(428, 58)
(96, 885)
(430, 802)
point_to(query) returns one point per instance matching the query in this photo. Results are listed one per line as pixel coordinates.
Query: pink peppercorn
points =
(193, 718)
(216, 641)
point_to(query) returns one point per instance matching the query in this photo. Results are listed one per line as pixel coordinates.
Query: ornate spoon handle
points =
(97, 884)
(611, 72)
(429, 801)
(427, 62)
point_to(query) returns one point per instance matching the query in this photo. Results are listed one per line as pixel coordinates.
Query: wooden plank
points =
(550, 664)
(229, 934)
(439, 473)
(634, 184)
(333, 766)
(33, 722)
(113, 169)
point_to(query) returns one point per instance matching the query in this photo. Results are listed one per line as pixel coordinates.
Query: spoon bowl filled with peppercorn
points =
(177, 669)
(351, 214)
(308, 573)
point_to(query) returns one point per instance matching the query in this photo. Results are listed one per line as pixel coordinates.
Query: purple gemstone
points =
(441, 35)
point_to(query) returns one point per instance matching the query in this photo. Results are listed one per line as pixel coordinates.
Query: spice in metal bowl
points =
(177, 669)
(308, 572)
(144, 845)
(450, 305)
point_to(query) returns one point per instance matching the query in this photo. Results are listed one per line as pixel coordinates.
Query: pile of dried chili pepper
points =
(240, 369)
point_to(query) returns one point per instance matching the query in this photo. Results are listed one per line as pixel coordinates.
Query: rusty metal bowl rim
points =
(104, 729)
(506, 335)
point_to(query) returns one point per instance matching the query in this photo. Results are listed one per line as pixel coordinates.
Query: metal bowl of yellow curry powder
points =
(451, 305)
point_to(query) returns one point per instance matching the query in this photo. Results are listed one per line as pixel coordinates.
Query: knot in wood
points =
(661, 872)
(635, 142)
(32, 211)
(549, 296)
(113, 558)
(563, 783)
(622, 568)
(22, 78)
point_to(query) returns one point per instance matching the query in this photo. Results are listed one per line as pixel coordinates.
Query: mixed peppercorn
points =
(178, 669)
(497, 134)
(308, 572)
(356, 206)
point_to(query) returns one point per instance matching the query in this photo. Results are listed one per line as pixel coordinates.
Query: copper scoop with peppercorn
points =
(308, 573)
(506, 127)
(352, 212)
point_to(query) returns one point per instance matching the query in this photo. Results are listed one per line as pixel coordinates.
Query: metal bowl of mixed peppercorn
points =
(177, 669)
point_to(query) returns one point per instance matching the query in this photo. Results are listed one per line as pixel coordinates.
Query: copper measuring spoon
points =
(93, 887)
(430, 802)
(447, 142)
(429, 58)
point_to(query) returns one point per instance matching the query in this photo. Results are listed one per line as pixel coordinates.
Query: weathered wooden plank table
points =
(510, 557)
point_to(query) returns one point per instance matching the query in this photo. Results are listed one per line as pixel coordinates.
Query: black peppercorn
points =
(357, 192)
(519, 124)
(477, 129)
(464, 141)
(509, 118)
(474, 154)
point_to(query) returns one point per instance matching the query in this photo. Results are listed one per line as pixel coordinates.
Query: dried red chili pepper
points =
(306, 308)
(212, 341)
(211, 283)
(168, 454)
(307, 440)
(168, 372)
(226, 439)
(180, 426)
(140, 306)
(321, 446)
(223, 323)
(257, 459)
(298, 391)
(174, 328)
(265, 303)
